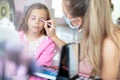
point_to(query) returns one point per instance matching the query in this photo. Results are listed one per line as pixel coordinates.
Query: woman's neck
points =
(32, 36)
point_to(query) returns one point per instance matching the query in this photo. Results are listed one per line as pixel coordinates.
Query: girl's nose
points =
(37, 21)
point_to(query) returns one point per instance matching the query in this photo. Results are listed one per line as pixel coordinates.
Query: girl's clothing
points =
(33, 45)
(42, 49)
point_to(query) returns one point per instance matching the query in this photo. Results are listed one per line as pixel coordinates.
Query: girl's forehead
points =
(39, 12)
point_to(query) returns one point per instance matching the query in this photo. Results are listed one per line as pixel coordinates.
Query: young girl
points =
(100, 41)
(33, 34)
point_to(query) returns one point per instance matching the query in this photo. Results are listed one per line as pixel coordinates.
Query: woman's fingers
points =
(45, 26)
(51, 23)
(50, 30)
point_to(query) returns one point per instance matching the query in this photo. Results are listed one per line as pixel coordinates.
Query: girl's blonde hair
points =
(97, 25)
(23, 25)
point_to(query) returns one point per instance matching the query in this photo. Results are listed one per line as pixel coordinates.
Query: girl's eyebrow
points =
(33, 16)
(40, 17)
(43, 18)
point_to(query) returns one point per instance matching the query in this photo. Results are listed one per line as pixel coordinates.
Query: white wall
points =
(116, 11)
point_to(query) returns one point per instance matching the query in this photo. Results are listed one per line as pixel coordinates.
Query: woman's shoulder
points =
(110, 55)
(108, 43)
(110, 49)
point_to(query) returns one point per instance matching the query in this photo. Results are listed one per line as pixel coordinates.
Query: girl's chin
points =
(36, 31)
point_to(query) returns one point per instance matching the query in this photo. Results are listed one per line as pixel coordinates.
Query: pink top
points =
(85, 68)
(45, 51)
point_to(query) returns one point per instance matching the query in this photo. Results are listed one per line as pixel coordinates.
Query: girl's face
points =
(34, 20)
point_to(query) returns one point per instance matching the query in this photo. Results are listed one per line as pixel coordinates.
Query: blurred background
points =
(14, 10)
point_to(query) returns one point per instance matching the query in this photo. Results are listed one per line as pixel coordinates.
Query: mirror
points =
(69, 58)
(7, 9)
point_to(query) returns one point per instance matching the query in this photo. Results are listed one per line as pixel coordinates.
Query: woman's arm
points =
(110, 63)
(51, 33)
(58, 41)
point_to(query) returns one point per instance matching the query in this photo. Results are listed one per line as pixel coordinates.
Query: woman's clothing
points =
(85, 68)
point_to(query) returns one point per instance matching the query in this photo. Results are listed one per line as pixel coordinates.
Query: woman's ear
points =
(80, 20)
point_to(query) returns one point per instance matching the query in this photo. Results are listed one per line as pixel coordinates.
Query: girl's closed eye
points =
(32, 17)
(42, 19)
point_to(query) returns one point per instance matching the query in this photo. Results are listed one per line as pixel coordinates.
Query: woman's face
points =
(65, 9)
(73, 22)
(34, 20)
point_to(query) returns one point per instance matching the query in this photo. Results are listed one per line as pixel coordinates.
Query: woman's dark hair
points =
(77, 8)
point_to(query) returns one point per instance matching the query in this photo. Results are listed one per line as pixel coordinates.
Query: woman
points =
(100, 40)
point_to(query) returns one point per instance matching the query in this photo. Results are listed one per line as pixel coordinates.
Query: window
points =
(57, 6)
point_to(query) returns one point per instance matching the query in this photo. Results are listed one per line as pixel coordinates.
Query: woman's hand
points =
(50, 30)
(51, 33)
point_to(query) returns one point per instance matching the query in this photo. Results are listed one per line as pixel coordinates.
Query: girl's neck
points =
(32, 36)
